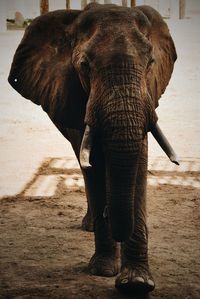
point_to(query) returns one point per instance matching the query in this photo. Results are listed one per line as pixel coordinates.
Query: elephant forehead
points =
(113, 38)
(105, 14)
(114, 12)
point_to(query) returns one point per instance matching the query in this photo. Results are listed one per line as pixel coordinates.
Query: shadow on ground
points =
(44, 253)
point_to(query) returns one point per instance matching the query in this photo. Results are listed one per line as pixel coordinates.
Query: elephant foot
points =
(104, 265)
(87, 223)
(135, 279)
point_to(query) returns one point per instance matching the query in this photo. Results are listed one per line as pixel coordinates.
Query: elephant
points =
(98, 73)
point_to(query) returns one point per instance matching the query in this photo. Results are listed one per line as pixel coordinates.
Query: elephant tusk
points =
(163, 142)
(85, 149)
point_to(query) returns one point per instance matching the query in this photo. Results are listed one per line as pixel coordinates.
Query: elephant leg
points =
(105, 261)
(135, 274)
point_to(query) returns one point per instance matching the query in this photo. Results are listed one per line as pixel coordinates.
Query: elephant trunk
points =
(121, 126)
(121, 171)
(116, 109)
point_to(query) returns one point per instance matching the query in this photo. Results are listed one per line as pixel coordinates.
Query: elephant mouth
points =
(87, 141)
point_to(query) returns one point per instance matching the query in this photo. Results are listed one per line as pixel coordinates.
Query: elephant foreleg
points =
(105, 261)
(135, 274)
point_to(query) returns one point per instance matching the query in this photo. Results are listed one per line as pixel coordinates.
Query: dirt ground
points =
(43, 251)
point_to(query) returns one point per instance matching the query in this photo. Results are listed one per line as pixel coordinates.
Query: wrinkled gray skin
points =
(106, 67)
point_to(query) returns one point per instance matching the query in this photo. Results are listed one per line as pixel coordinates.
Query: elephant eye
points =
(84, 66)
(150, 62)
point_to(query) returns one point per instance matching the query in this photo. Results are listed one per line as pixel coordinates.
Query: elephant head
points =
(104, 68)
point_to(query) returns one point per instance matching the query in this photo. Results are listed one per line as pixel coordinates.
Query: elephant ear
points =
(42, 71)
(164, 53)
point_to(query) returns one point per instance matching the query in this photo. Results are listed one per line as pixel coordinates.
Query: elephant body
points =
(99, 73)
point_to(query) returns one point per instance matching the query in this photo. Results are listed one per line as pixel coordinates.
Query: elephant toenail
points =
(151, 283)
(124, 281)
(108, 273)
(139, 279)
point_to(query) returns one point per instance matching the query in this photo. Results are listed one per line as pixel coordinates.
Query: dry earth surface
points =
(43, 251)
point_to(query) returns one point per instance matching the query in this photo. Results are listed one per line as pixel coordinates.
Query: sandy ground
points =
(43, 252)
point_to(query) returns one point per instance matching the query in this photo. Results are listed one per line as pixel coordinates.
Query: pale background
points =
(27, 136)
